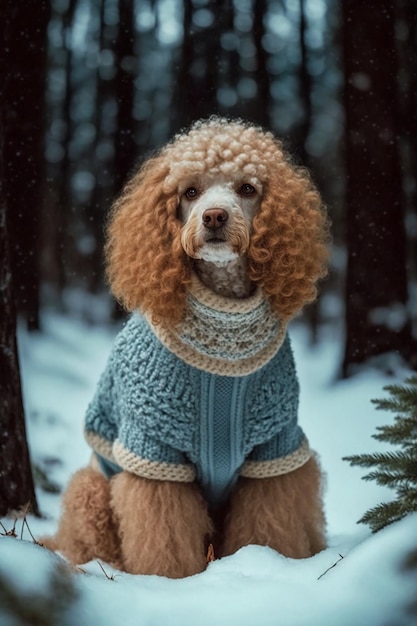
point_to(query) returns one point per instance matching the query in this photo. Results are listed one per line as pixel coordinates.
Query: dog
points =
(214, 245)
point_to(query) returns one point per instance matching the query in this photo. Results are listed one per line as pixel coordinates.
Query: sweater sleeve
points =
(148, 457)
(283, 453)
(130, 421)
(101, 421)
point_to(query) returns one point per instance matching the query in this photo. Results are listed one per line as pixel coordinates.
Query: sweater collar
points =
(225, 336)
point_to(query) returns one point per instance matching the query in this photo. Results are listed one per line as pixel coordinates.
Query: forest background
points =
(91, 87)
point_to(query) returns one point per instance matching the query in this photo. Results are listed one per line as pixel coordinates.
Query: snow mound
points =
(369, 586)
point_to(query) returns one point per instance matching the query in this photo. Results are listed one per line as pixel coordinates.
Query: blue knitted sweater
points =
(199, 406)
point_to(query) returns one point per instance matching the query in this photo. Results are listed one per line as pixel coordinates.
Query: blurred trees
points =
(123, 76)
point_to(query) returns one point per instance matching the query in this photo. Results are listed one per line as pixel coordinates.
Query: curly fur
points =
(283, 512)
(147, 266)
(87, 528)
(161, 527)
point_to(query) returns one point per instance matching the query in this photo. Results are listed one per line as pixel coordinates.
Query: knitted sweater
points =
(214, 401)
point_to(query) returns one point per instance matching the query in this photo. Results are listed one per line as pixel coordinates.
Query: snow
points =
(358, 580)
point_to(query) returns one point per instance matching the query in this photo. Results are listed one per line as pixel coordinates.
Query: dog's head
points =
(220, 190)
(217, 214)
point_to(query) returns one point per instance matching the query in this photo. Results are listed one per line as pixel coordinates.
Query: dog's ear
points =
(146, 266)
(289, 246)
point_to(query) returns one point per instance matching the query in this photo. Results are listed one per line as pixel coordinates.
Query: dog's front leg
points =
(163, 526)
(86, 528)
(283, 512)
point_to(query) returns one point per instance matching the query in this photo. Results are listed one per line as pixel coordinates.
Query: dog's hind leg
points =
(86, 528)
(163, 526)
(283, 512)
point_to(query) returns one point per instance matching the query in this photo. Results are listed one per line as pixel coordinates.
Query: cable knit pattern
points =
(159, 416)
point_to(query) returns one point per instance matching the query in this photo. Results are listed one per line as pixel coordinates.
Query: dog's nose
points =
(214, 218)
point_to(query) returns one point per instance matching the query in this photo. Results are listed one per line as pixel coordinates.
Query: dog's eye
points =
(191, 193)
(247, 190)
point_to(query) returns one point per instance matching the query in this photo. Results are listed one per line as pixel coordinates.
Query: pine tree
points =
(396, 469)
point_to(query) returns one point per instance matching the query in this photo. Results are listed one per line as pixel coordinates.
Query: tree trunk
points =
(407, 16)
(184, 81)
(125, 145)
(16, 483)
(263, 76)
(25, 61)
(377, 320)
(61, 211)
(305, 86)
(200, 65)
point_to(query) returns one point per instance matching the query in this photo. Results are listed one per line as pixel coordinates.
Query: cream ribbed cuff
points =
(277, 467)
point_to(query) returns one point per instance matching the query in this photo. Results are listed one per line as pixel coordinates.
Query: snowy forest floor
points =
(359, 580)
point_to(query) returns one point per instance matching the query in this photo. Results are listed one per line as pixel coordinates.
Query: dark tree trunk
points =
(125, 146)
(62, 208)
(300, 138)
(183, 80)
(25, 56)
(16, 483)
(377, 320)
(197, 75)
(262, 74)
(407, 16)
(109, 170)
(305, 84)
(212, 55)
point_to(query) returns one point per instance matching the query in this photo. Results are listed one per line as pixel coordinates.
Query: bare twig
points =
(38, 543)
(25, 523)
(23, 513)
(331, 566)
(9, 533)
(112, 577)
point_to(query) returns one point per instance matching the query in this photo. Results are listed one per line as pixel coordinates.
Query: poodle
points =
(215, 244)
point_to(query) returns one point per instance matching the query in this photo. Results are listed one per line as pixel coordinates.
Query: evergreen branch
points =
(392, 405)
(386, 479)
(383, 514)
(408, 389)
(388, 460)
(408, 492)
(402, 429)
(396, 470)
(402, 396)
(363, 460)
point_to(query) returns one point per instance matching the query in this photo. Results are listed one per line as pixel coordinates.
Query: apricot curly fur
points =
(146, 264)
(289, 246)
(282, 512)
(163, 526)
(87, 528)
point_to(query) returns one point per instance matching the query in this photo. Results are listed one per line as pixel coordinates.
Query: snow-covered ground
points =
(359, 580)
